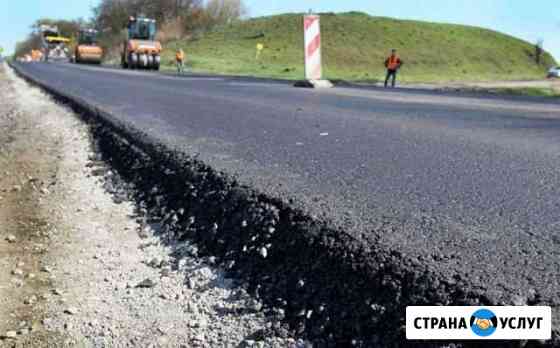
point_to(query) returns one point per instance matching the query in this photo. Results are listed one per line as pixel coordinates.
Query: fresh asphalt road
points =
(470, 185)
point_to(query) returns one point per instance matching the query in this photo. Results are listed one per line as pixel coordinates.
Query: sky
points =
(529, 20)
(17, 16)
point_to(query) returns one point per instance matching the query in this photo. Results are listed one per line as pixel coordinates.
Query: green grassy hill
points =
(354, 48)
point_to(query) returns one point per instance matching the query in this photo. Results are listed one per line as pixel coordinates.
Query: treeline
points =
(111, 15)
(176, 19)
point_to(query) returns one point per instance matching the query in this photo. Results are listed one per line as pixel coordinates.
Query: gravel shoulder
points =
(81, 267)
(28, 162)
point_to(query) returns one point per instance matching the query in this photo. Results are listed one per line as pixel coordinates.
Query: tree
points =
(32, 42)
(176, 18)
(112, 15)
(225, 11)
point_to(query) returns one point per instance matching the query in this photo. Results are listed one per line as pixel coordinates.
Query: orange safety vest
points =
(393, 62)
(180, 55)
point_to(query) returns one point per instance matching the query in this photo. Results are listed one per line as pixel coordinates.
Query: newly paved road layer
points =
(469, 185)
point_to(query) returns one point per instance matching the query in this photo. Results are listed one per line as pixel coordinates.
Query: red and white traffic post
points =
(312, 38)
(312, 47)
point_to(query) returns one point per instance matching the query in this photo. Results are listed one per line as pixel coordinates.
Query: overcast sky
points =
(530, 20)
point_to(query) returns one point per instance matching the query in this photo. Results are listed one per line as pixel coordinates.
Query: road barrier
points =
(313, 64)
(312, 47)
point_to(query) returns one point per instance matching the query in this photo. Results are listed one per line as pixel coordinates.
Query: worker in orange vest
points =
(180, 59)
(393, 64)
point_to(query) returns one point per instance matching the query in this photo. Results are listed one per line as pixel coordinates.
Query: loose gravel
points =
(109, 279)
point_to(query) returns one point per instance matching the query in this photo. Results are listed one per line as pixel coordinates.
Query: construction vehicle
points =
(140, 49)
(87, 50)
(55, 47)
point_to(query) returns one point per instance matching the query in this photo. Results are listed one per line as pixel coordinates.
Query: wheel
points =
(157, 60)
(143, 61)
(132, 61)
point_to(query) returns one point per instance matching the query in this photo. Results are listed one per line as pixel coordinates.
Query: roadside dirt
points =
(28, 168)
(549, 83)
(553, 84)
(79, 268)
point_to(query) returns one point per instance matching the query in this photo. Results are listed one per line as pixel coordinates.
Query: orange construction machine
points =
(36, 55)
(140, 49)
(87, 50)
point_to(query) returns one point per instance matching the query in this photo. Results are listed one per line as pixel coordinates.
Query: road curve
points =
(468, 185)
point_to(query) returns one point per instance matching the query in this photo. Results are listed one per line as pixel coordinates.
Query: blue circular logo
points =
(484, 323)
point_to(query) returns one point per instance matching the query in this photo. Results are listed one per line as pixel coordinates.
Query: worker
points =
(180, 59)
(393, 63)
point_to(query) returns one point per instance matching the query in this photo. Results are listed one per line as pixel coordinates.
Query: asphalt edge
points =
(328, 286)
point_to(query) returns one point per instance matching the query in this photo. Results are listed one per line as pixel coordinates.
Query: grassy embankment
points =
(354, 48)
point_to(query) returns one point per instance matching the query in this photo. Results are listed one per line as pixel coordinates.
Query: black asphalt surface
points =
(468, 185)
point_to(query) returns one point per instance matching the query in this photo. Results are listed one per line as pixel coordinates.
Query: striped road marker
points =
(313, 67)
